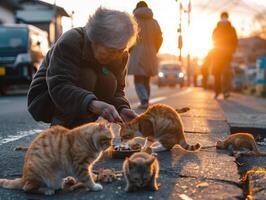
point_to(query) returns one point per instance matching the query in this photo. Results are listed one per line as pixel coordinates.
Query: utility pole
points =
(179, 30)
(180, 38)
(188, 55)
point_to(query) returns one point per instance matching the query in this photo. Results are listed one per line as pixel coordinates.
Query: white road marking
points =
(20, 135)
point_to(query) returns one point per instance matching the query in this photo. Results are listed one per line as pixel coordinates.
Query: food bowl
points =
(122, 151)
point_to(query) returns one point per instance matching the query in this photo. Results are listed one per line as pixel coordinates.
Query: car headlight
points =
(181, 74)
(161, 74)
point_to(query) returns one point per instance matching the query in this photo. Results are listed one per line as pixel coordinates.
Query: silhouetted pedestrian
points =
(143, 60)
(225, 42)
(206, 65)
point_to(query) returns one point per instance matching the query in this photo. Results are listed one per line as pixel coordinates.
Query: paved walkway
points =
(208, 174)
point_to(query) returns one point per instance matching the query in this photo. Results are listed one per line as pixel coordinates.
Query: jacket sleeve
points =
(158, 39)
(234, 39)
(119, 100)
(63, 74)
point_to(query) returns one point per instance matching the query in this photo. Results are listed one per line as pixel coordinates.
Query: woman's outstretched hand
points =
(127, 114)
(107, 111)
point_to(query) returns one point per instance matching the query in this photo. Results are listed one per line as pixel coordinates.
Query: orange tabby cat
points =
(141, 171)
(240, 141)
(162, 123)
(59, 152)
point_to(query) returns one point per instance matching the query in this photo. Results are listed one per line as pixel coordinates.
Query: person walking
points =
(143, 62)
(225, 42)
(83, 75)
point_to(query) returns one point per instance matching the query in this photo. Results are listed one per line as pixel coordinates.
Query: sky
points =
(196, 36)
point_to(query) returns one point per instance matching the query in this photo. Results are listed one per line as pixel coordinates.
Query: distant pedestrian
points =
(83, 75)
(205, 68)
(225, 43)
(143, 62)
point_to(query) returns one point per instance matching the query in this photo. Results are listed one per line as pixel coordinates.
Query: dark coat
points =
(224, 37)
(225, 43)
(70, 78)
(142, 59)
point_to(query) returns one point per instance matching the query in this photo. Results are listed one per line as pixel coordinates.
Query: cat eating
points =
(162, 123)
(59, 152)
(141, 171)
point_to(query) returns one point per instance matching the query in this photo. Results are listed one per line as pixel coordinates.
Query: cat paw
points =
(49, 192)
(69, 181)
(97, 187)
(154, 188)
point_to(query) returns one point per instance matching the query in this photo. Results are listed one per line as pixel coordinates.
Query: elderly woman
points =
(83, 75)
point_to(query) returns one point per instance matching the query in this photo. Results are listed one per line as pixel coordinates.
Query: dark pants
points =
(222, 81)
(142, 86)
(222, 71)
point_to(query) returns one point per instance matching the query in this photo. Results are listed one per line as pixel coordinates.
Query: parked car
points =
(22, 48)
(171, 74)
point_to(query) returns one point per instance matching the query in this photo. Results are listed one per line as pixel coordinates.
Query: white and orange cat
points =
(240, 141)
(162, 123)
(57, 153)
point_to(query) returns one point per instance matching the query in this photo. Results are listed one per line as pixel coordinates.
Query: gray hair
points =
(112, 28)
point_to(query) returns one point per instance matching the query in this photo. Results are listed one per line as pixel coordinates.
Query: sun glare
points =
(196, 38)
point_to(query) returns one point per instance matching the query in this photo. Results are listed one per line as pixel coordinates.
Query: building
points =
(249, 49)
(45, 16)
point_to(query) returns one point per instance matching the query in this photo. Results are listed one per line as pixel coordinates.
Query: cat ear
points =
(131, 163)
(148, 150)
(151, 160)
(146, 127)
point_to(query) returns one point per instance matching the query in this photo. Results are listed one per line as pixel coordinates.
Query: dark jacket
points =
(224, 37)
(225, 43)
(70, 78)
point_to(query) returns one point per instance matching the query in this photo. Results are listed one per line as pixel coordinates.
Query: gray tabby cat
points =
(141, 171)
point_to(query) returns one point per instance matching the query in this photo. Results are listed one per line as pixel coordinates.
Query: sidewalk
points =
(207, 174)
(248, 114)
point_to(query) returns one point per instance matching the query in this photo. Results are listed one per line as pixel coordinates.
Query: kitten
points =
(240, 141)
(59, 152)
(141, 171)
(106, 175)
(162, 123)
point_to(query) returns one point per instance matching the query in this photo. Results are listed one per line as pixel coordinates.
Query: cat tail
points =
(188, 147)
(182, 110)
(11, 184)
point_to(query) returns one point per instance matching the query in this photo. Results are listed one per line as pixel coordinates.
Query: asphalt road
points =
(17, 128)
